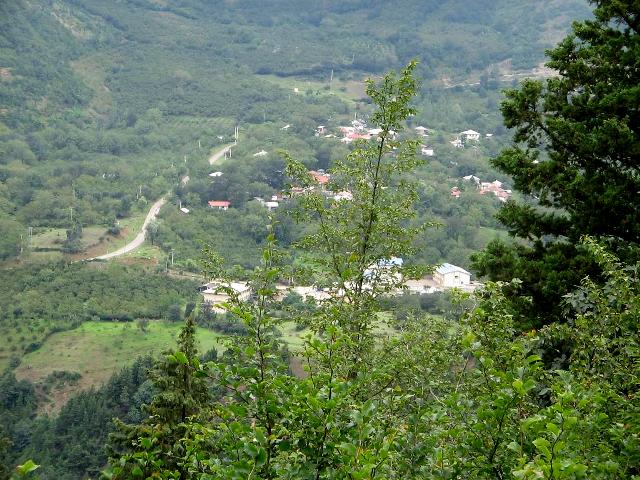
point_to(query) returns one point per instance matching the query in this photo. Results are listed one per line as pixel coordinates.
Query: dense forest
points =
(106, 108)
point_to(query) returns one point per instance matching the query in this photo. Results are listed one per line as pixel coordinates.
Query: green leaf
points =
(182, 358)
(27, 467)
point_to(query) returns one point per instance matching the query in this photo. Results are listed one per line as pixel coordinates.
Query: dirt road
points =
(219, 154)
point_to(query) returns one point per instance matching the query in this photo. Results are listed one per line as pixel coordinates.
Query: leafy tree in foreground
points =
(437, 400)
(577, 152)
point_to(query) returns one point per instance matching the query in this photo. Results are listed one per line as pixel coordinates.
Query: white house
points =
(469, 178)
(451, 276)
(470, 135)
(457, 143)
(261, 153)
(421, 131)
(426, 151)
(213, 293)
(344, 195)
(215, 174)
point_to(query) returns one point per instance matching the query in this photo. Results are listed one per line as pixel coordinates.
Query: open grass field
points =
(98, 349)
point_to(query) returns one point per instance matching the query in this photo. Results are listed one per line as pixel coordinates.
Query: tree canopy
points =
(576, 157)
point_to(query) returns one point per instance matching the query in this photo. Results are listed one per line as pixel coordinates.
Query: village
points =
(358, 130)
(445, 277)
(216, 293)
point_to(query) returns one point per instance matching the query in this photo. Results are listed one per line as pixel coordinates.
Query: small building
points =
(320, 177)
(455, 192)
(219, 204)
(470, 135)
(457, 143)
(451, 276)
(426, 151)
(214, 294)
(421, 131)
(359, 136)
(261, 153)
(184, 210)
(421, 286)
(271, 205)
(321, 129)
(384, 272)
(216, 174)
(470, 178)
(344, 195)
(286, 127)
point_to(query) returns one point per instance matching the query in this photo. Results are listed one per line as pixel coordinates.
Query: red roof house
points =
(219, 204)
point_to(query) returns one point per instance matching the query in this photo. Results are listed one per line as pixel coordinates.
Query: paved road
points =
(139, 240)
(153, 213)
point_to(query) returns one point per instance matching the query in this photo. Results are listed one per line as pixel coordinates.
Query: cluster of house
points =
(358, 131)
(321, 178)
(495, 187)
(446, 276)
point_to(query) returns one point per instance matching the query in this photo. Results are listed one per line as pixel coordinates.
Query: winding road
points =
(153, 213)
(139, 240)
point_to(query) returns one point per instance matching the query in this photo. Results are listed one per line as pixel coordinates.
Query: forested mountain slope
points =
(98, 99)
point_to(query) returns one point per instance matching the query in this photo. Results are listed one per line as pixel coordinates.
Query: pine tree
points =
(577, 152)
(181, 395)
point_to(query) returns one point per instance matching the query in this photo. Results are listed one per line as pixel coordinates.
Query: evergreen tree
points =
(181, 395)
(576, 159)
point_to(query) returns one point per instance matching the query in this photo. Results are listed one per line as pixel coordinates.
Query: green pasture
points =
(97, 349)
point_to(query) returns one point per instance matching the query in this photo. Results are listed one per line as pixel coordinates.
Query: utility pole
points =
(331, 79)
(172, 257)
(71, 214)
(185, 157)
(21, 248)
(199, 146)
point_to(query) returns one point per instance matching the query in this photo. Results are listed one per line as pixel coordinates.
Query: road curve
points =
(153, 213)
(139, 240)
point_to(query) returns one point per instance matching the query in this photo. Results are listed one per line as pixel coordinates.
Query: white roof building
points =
(451, 276)
(213, 293)
(261, 153)
(470, 135)
(427, 151)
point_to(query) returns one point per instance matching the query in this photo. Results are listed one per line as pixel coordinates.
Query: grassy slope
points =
(97, 349)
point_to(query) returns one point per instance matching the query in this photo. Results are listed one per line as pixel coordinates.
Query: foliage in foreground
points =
(576, 150)
(441, 399)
